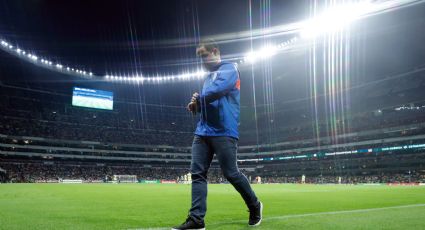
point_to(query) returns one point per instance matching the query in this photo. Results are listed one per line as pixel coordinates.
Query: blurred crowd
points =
(414, 177)
(31, 114)
(39, 172)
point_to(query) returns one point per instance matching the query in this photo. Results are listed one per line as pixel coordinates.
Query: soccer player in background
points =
(217, 133)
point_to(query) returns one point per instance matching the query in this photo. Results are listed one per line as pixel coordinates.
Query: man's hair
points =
(209, 44)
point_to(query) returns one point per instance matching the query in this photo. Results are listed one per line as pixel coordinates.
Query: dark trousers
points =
(203, 150)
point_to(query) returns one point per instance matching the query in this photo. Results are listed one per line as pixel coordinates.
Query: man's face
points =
(208, 59)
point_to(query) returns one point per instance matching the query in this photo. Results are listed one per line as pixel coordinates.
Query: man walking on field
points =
(217, 133)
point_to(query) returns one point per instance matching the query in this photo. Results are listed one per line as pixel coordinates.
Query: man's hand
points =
(193, 105)
(195, 97)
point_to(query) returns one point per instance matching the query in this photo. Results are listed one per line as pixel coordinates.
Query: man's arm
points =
(223, 84)
(194, 106)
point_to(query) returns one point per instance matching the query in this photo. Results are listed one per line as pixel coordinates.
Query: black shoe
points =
(190, 223)
(255, 214)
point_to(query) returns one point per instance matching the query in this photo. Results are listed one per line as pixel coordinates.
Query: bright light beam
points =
(335, 18)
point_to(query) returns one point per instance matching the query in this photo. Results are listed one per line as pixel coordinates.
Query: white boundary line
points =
(304, 215)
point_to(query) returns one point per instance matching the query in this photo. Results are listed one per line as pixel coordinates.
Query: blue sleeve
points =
(224, 83)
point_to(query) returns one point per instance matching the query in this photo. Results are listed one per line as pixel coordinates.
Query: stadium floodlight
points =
(186, 76)
(335, 18)
(200, 73)
(267, 52)
(32, 57)
(183, 76)
(250, 57)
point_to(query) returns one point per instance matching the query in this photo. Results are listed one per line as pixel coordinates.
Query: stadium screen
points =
(92, 98)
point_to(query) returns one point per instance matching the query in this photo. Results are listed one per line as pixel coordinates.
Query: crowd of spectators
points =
(31, 172)
(351, 179)
(38, 118)
(35, 116)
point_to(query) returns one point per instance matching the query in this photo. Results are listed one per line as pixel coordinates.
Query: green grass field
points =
(144, 206)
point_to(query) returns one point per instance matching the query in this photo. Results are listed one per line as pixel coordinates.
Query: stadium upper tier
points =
(29, 112)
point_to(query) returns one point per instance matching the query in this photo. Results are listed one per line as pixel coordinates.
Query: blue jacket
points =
(219, 102)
